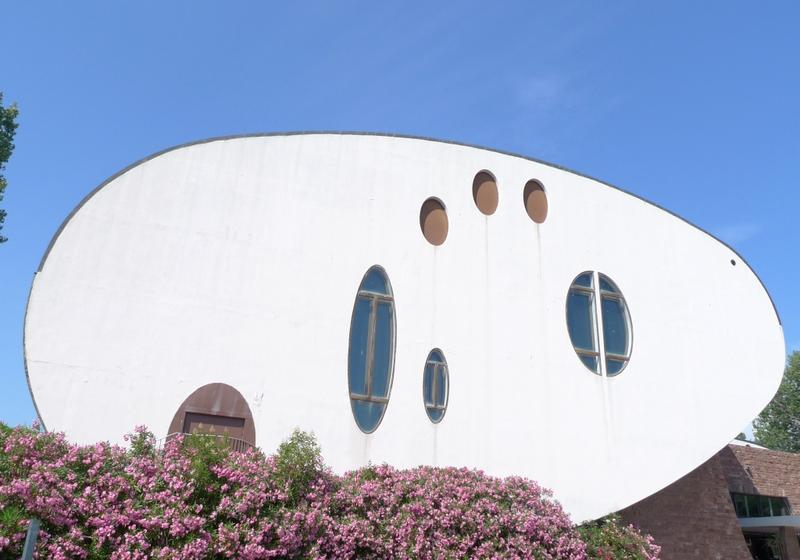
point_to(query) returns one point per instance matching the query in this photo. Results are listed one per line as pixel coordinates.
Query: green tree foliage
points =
(298, 464)
(778, 425)
(8, 127)
(609, 539)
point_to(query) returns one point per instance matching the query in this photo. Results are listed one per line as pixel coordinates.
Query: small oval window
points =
(484, 193)
(370, 361)
(594, 300)
(433, 221)
(535, 200)
(435, 385)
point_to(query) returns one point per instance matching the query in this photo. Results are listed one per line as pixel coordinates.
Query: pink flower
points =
(186, 501)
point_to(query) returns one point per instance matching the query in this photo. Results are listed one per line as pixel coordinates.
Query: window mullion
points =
(445, 375)
(373, 317)
(435, 386)
(598, 323)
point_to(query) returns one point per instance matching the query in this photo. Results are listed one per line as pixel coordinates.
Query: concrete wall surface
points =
(238, 260)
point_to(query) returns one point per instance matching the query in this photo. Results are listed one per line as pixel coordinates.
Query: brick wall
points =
(693, 517)
(750, 470)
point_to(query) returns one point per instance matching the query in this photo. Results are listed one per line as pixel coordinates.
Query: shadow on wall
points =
(739, 476)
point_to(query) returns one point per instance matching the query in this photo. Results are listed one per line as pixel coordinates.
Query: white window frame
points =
(430, 405)
(596, 320)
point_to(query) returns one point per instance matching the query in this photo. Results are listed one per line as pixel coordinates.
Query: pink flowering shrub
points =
(446, 513)
(196, 499)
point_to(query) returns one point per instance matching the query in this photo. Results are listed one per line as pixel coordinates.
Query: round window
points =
(433, 221)
(484, 193)
(435, 385)
(535, 200)
(594, 301)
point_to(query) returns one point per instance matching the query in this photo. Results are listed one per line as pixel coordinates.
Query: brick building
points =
(740, 504)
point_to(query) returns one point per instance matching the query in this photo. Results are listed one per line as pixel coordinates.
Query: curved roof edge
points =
(388, 135)
(24, 330)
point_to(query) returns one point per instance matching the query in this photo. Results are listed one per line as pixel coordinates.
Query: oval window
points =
(433, 221)
(435, 385)
(370, 361)
(484, 193)
(595, 300)
(535, 200)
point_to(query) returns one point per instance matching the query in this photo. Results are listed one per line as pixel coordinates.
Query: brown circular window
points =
(433, 221)
(535, 201)
(484, 193)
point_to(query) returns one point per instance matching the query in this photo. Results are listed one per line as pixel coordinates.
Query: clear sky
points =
(692, 105)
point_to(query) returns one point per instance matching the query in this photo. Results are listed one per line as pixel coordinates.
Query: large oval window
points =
(435, 385)
(594, 301)
(370, 361)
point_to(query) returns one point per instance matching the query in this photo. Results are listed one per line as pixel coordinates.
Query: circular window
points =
(433, 221)
(535, 200)
(594, 301)
(435, 385)
(370, 360)
(484, 193)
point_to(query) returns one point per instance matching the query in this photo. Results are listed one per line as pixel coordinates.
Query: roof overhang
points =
(770, 522)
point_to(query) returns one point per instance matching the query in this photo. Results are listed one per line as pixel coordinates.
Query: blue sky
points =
(694, 106)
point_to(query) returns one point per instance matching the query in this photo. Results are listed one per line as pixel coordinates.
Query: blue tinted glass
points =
(435, 356)
(434, 414)
(371, 334)
(356, 361)
(441, 385)
(427, 384)
(579, 320)
(590, 361)
(375, 281)
(367, 414)
(584, 280)
(435, 378)
(382, 357)
(606, 285)
(615, 328)
(613, 367)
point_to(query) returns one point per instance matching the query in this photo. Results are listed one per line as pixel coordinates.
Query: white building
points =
(409, 301)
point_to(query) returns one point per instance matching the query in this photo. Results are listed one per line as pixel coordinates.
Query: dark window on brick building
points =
(756, 505)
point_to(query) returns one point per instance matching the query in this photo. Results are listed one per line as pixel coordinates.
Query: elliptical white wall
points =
(238, 261)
